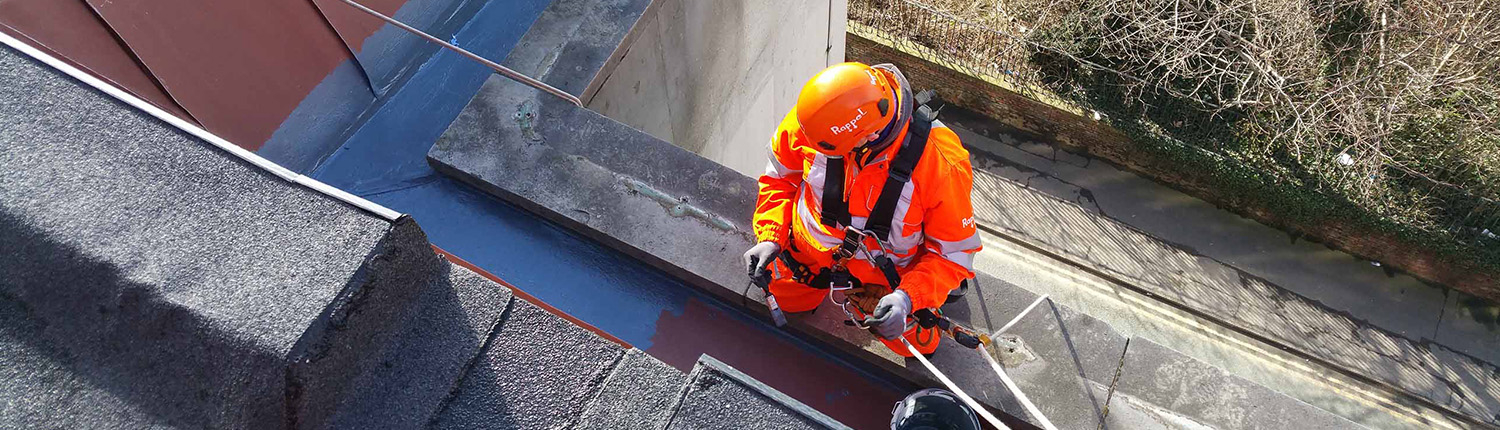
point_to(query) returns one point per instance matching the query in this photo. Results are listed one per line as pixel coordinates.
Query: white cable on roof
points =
(1014, 389)
(953, 387)
(1017, 319)
(1025, 402)
(194, 130)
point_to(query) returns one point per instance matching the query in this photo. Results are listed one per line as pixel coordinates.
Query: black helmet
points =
(933, 409)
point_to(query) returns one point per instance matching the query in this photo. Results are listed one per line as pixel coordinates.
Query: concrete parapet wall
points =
(716, 77)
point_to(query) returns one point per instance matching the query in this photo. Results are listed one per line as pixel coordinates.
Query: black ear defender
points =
(884, 105)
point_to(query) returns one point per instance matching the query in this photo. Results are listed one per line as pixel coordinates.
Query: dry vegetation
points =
(1393, 106)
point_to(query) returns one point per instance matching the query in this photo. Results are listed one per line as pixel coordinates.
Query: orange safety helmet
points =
(842, 104)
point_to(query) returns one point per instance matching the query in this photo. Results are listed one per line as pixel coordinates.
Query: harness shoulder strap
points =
(884, 212)
(835, 212)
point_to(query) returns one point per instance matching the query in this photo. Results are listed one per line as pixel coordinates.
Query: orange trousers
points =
(795, 297)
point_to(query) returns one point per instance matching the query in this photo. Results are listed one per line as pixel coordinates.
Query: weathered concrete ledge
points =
(575, 42)
(689, 217)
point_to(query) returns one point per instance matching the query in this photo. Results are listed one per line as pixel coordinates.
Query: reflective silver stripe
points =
(775, 169)
(938, 124)
(898, 221)
(963, 258)
(815, 176)
(810, 223)
(947, 247)
(905, 261)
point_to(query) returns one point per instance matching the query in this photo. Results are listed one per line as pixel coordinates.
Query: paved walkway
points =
(1432, 343)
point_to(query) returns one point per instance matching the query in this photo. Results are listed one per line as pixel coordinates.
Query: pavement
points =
(1366, 290)
(152, 280)
(1326, 306)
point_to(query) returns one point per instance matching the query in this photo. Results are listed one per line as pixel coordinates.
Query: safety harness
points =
(882, 216)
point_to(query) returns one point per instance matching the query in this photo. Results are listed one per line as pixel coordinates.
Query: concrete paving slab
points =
(1470, 325)
(1143, 317)
(1393, 301)
(1065, 351)
(720, 397)
(1208, 395)
(536, 371)
(641, 393)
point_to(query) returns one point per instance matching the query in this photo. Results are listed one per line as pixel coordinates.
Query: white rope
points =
(952, 387)
(1025, 402)
(1010, 384)
(1004, 378)
(1023, 313)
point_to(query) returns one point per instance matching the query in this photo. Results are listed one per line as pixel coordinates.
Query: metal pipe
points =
(502, 70)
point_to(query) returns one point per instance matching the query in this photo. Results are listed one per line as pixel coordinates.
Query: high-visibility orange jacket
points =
(933, 236)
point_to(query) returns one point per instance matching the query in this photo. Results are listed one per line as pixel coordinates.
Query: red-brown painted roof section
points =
(239, 67)
(352, 25)
(69, 29)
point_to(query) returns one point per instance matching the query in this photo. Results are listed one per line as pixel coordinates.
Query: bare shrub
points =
(1389, 104)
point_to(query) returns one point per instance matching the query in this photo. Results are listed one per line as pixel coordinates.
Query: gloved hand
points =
(759, 256)
(889, 319)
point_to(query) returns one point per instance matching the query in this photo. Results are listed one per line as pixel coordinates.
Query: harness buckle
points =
(853, 239)
(840, 280)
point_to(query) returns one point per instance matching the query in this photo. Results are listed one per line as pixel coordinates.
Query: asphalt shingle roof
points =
(149, 280)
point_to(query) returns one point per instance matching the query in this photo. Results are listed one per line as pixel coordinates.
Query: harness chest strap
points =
(835, 211)
(883, 215)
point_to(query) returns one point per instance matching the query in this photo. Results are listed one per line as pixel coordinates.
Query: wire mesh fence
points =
(1387, 188)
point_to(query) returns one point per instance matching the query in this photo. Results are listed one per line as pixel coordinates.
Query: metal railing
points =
(502, 70)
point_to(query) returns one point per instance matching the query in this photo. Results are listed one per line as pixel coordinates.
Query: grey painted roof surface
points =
(148, 280)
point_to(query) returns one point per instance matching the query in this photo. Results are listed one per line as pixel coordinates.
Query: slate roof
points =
(149, 280)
